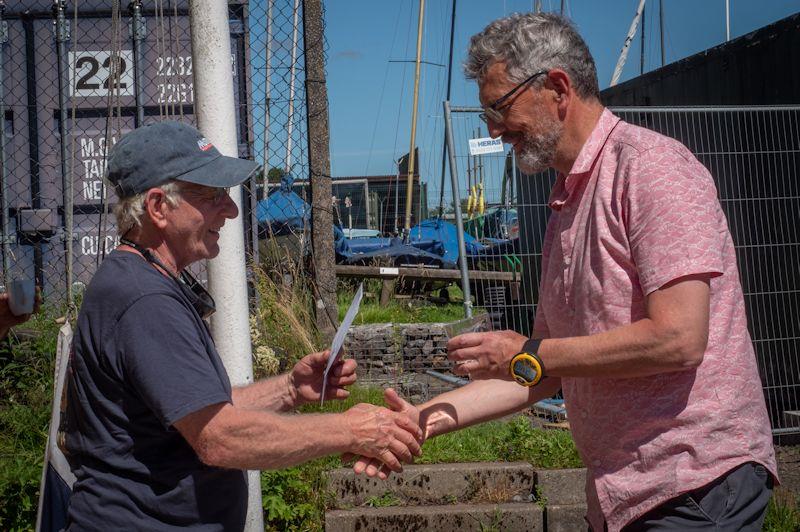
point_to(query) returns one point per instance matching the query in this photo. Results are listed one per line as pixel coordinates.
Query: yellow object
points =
(526, 369)
(481, 200)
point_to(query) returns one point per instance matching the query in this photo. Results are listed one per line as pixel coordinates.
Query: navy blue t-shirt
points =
(143, 359)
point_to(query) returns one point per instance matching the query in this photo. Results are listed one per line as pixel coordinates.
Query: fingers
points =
(394, 401)
(466, 340)
(410, 442)
(390, 460)
(344, 368)
(404, 422)
(467, 368)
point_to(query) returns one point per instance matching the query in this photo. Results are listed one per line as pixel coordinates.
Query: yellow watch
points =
(526, 367)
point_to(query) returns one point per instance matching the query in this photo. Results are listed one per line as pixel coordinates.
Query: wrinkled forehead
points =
(494, 83)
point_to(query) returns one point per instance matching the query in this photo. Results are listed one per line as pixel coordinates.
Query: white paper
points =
(485, 145)
(338, 339)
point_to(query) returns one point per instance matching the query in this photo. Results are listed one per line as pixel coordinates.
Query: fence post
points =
(216, 116)
(3, 182)
(319, 169)
(62, 37)
(462, 248)
(138, 33)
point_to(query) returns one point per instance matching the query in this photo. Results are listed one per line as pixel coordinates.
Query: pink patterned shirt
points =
(636, 211)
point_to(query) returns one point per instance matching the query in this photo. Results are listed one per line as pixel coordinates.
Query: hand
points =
(484, 355)
(381, 434)
(372, 466)
(7, 319)
(305, 379)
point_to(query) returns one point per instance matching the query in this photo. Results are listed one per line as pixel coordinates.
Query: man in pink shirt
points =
(641, 317)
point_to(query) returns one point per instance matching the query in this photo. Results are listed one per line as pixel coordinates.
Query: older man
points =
(641, 316)
(154, 433)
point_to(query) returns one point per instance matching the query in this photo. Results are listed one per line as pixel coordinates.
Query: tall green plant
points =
(26, 391)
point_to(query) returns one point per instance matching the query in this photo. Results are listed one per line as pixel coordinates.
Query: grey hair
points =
(527, 42)
(129, 211)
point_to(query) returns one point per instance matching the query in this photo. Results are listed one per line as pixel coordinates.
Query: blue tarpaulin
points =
(283, 212)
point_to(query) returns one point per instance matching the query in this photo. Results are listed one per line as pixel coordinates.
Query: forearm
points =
(480, 401)
(264, 440)
(276, 394)
(636, 350)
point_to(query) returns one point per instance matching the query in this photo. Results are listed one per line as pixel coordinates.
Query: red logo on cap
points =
(204, 145)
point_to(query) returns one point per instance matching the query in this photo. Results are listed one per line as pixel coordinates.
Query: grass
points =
(397, 310)
(783, 513)
(26, 391)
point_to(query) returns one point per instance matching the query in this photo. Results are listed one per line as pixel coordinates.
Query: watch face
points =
(524, 370)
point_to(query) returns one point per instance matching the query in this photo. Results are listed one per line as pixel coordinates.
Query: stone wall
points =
(398, 354)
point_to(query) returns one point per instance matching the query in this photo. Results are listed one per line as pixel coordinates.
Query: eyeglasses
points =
(493, 113)
(215, 195)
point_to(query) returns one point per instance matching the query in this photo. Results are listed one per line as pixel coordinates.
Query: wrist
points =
(291, 398)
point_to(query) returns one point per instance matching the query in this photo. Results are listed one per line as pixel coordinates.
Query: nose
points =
(228, 207)
(495, 128)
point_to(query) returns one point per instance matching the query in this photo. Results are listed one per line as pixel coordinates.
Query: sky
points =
(370, 88)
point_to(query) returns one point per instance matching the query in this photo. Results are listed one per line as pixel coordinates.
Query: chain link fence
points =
(75, 77)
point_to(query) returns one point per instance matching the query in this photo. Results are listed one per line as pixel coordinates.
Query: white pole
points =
(727, 20)
(625, 47)
(216, 117)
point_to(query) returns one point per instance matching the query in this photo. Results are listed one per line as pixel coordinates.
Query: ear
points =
(560, 84)
(156, 207)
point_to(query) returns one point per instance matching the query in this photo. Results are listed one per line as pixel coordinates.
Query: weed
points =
(385, 500)
(783, 513)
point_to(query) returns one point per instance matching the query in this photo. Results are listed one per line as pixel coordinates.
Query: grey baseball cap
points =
(152, 155)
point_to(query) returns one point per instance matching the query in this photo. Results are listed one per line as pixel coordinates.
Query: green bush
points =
(26, 391)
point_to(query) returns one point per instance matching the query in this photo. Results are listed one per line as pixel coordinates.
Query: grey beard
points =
(538, 151)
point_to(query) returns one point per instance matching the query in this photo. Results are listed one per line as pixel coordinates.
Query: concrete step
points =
(510, 517)
(565, 517)
(561, 486)
(441, 484)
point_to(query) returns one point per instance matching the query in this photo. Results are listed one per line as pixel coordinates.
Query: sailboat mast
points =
(411, 158)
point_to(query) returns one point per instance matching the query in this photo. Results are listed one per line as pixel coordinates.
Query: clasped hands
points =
(484, 355)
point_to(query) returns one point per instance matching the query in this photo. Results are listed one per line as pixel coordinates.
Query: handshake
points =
(384, 438)
(381, 439)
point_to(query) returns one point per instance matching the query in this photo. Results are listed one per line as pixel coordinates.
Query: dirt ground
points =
(789, 467)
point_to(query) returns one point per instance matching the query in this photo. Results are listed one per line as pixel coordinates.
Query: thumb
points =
(394, 401)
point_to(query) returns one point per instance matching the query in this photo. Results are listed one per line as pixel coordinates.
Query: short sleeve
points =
(165, 359)
(674, 220)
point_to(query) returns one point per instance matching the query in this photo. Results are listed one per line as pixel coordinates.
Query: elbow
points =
(690, 349)
(212, 450)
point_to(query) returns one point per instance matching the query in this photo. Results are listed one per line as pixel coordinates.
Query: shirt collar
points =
(582, 167)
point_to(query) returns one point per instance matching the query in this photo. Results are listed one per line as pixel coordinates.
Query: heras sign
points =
(485, 145)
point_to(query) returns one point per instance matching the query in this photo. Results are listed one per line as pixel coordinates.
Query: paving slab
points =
(566, 518)
(510, 517)
(561, 486)
(438, 484)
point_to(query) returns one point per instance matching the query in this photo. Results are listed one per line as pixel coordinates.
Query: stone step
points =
(510, 517)
(565, 517)
(439, 484)
(493, 482)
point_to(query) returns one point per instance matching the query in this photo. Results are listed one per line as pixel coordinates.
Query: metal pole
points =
(449, 87)
(62, 37)
(727, 20)
(216, 117)
(462, 249)
(292, 70)
(562, 8)
(319, 166)
(641, 51)
(3, 184)
(623, 55)
(661, 27)
(411, 154)
(138, 33)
